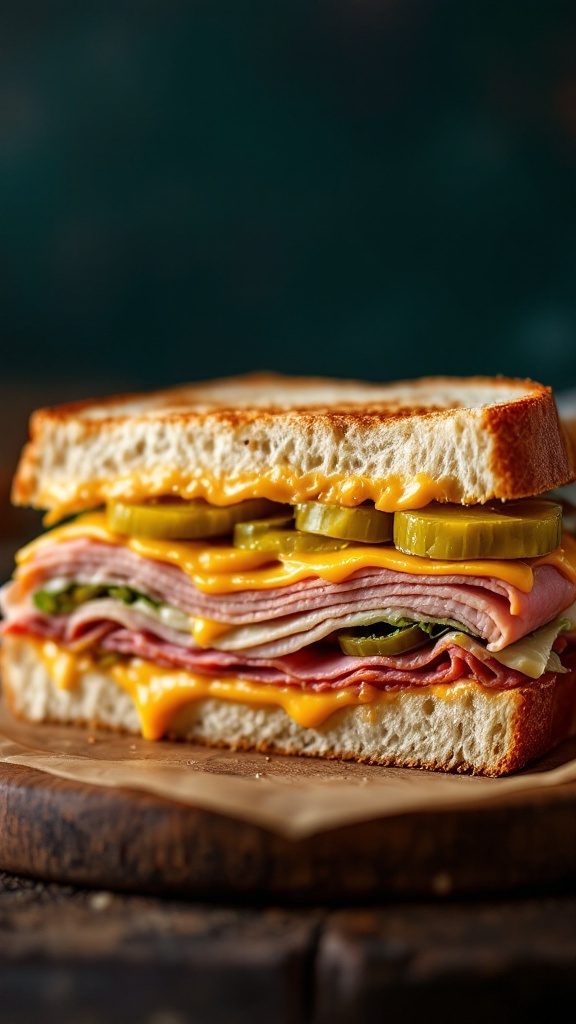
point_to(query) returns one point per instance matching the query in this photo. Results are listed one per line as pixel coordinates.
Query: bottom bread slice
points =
(463, 727)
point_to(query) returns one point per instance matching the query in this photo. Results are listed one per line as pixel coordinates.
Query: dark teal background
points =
(351, 187)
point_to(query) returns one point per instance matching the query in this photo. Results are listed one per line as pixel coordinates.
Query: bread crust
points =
(568, 424)
(471, 439)
(469, 730)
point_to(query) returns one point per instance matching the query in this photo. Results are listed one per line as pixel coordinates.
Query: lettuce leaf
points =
(67, 598)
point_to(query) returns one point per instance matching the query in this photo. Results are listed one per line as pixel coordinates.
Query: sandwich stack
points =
(306, 566)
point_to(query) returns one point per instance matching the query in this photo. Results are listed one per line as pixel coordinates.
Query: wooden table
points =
(242, 945)
(76, 956)
(243, 930)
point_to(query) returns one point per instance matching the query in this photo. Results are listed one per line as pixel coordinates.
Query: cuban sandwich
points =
(302, 565)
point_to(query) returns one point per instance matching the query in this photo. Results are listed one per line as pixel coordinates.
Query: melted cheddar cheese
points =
(160, 693)
(390, 495)
(205, 631)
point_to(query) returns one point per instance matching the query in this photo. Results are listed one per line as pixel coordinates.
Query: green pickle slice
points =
(175, 519)
(276, 536)
(381, 639)
(514, 529)
(361, 523)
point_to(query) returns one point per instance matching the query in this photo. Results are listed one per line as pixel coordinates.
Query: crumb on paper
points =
(91, 739)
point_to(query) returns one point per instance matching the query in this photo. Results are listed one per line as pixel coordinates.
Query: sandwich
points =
(305, 566)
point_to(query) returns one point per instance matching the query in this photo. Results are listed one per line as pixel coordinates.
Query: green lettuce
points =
(69, 597)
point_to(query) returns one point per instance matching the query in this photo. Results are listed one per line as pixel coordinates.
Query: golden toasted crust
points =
(293, 438)
(569, 428)
(459, 728)
(518, 429)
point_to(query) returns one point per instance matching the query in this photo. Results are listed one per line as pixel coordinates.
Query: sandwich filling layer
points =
(177, 619)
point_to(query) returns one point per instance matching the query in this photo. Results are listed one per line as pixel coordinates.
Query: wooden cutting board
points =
(118, 839)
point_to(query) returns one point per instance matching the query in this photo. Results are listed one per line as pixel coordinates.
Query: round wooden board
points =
(120, 839)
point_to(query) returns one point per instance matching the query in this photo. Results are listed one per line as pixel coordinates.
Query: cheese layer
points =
(390, 495)
(159, 693)
(219, 568)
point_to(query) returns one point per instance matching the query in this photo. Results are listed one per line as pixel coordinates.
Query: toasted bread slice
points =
(459, 728)
(569, 426)
(400, 444)
(567, 495)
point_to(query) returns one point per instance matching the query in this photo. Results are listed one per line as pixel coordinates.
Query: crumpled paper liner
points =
(294, 797)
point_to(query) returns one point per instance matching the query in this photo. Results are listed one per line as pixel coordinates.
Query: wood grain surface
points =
(75, 956)
(125, 840)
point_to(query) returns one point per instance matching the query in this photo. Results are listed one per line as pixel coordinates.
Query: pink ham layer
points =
(318, 667)
(481, 604)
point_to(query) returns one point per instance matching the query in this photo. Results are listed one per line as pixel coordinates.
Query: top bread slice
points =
(401, 444)
(569, 425)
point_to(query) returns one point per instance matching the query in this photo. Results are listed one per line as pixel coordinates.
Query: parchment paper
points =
(292, 796)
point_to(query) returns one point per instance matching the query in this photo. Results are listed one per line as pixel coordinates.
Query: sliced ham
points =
(318, 668)
(280, 621)
(323, 667)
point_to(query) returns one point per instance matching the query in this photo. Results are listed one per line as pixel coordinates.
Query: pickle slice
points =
(247, 535)
(568, 516)
(274, 538)
(175, 519)
(362, 523)
(516, 529)
(381, 639)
